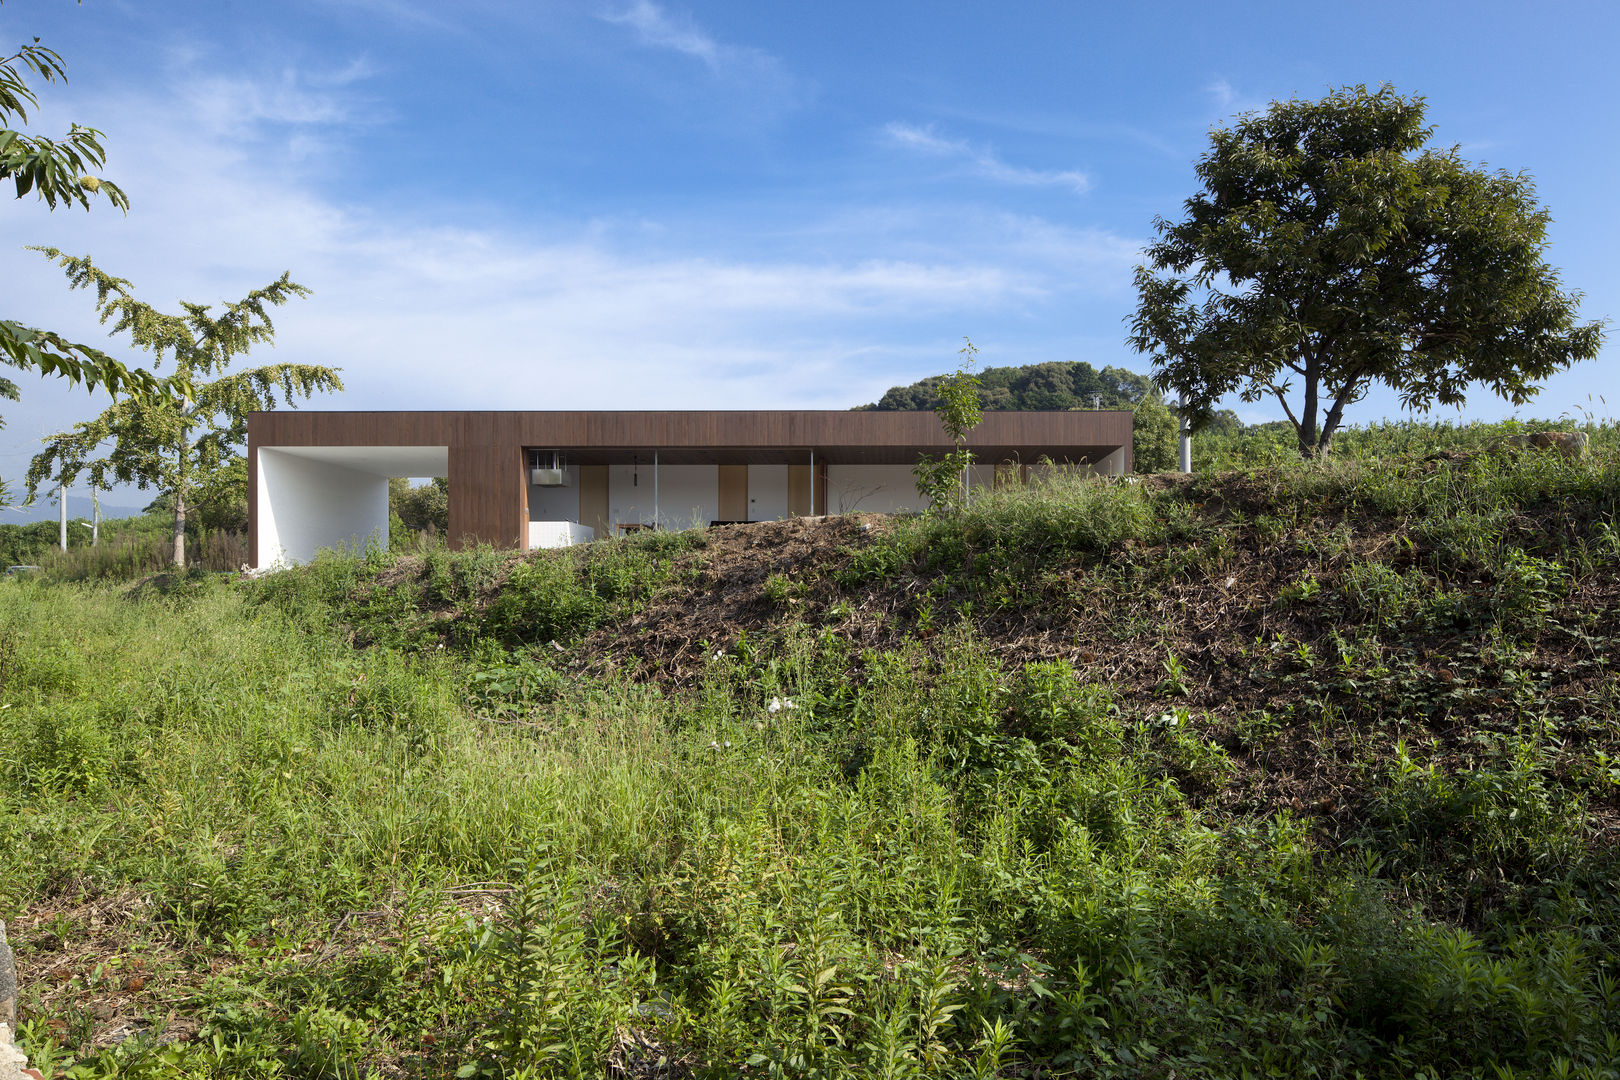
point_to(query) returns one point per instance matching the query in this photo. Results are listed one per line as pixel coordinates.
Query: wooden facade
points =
(488, 486)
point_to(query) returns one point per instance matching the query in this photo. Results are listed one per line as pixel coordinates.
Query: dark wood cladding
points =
(676, 430)
(489, 498)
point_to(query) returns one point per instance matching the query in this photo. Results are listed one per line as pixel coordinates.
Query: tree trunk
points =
(1307, 413)
(179, 531)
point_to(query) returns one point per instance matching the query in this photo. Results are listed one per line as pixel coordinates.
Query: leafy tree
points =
(1329, 250)
(61, 173)
(218, 501)
(1153, 436)
(1058, 384)
(178, 447)
(942, 480)
(1070, 384)
(420, 509)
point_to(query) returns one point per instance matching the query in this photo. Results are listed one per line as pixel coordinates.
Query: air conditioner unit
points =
(547, 469)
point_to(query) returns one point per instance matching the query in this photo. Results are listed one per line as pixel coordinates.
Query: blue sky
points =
(628, 203)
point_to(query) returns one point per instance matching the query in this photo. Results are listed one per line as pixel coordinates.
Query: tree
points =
(1057, 384)
(942, 480)
(179, 447)
(59, 172)
(1329, 250)
(420, 509)
(1153, 436)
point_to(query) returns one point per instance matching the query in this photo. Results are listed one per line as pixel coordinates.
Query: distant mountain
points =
(44, 509)
(1060, 384)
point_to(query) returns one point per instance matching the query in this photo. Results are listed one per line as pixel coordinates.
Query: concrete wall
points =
(306, 505)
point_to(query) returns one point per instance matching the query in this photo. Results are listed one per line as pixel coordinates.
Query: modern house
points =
(547, 479)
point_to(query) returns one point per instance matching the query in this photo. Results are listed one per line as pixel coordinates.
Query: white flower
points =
(719, 654)
(775, 706)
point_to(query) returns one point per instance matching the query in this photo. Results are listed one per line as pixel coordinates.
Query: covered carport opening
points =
(315, 497)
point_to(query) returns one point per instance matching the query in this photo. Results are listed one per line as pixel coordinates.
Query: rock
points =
(8, 982)
(13, 1062)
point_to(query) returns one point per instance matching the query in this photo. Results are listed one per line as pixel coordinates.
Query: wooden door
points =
(799, 491)
(593, 499)
(733, 492)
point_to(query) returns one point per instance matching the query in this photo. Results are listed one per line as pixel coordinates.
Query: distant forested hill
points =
(1061, 384)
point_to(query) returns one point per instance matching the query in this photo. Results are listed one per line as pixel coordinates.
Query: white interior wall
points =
(872, 489)
(767, 492)
(306, 505)
(688, 495)
(556, 503)
(558, 534)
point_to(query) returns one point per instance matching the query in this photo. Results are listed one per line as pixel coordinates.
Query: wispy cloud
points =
(420, 311)
(753, 83)
(659, 28)
(656, 27)
(1229, 100)
(983, 162)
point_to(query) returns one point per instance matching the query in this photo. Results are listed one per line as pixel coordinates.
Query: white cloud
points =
(421, 312)
(983, 162)
(1229, 101)
(658, 28)
(1222, 92)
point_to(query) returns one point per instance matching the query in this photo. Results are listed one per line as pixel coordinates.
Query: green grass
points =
(352, 828)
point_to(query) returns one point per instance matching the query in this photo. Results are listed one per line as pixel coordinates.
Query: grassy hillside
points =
(1300, 771)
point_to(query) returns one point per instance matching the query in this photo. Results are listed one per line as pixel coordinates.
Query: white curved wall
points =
(306, 504)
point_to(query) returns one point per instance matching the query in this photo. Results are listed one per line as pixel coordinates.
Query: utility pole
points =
(1185, 432)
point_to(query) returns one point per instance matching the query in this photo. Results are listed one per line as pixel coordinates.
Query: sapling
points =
(943, 480)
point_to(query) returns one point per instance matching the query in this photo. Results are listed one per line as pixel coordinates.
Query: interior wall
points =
(306, 505)
(556, 503)
(767, 492)
(873, 489)
(688, 495)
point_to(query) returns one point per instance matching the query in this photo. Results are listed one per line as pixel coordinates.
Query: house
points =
(546, 479)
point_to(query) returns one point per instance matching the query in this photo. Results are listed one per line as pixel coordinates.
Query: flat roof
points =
(708, 436)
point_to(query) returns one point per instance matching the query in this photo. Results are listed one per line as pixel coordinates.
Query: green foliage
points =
(1153, 437)
(424, 509)
(1061, 384)
(1274, 444)
(943, 480)
(1328, 249)
(843, 851)
(178, 446)
(57, 171)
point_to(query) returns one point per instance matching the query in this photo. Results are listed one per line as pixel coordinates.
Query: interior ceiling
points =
(419, 461)
(832, 455)
(390, 461)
